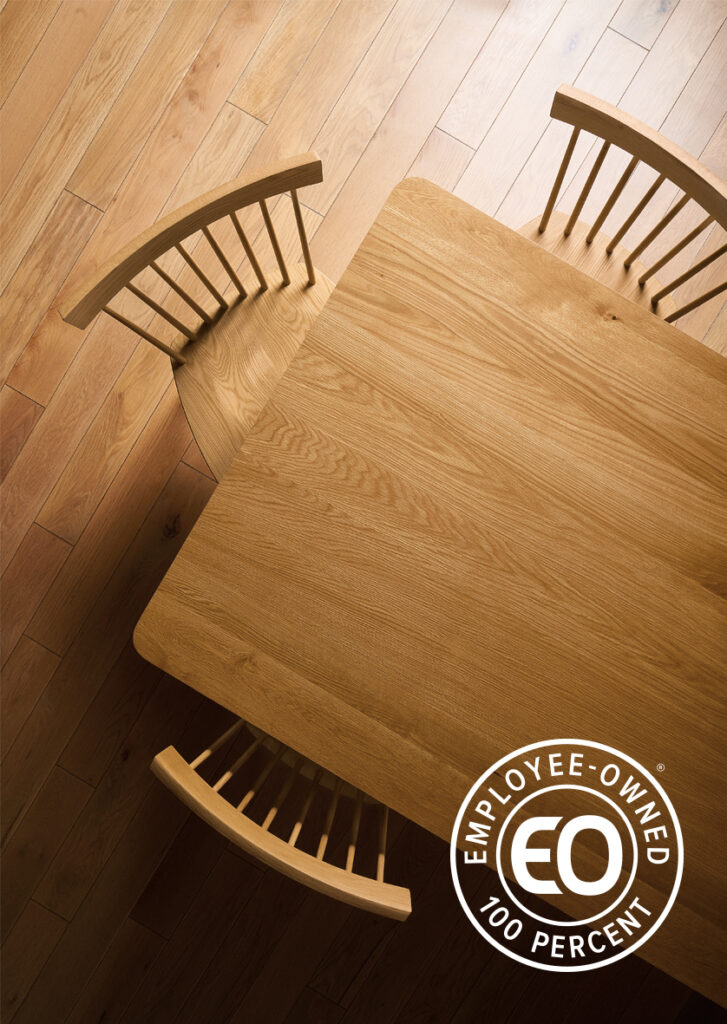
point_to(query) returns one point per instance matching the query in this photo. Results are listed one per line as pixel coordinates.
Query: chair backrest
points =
(171, 237)
(617, 129)
(281, 851)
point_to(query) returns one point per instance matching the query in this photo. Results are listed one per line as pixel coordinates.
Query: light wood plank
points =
(22, 26)
(26, 950)
(561, 55)
(292, 35)
(366, 98)
(26, 580)
(313, 94)
(402, 133)
(642, 20)
(73, 124)
(496, 69)
(42, 272)
(24, 677)
(44, 79)
(442, 159)
(18, 416)
(144, 99)
(607, 73)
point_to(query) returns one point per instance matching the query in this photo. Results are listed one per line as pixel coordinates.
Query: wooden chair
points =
(293, 784)
(602, 256)
(179, 286)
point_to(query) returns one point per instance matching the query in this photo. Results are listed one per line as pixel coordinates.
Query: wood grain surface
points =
(486, 505)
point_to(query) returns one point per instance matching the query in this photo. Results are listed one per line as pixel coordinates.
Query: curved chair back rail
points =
(93, 295)
(207, 801)
(697, 183)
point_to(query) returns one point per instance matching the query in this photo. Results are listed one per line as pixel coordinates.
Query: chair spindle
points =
(303, 237)
(248, 251)
(282, 793)
(691, 272)
(219, 742)
(587, 188)
(656, 231)
(559, 180)
(355, 826)
(650, 271)
(274, 241)
(229, 269)
(234, 769)
(260, 780)
(187, 332)
(635, 213)
(303, 814)
(381, 854)
(156, 342)
(176, 287)
(323, 842)
(193, 265)
(696, 302)
(611, 201)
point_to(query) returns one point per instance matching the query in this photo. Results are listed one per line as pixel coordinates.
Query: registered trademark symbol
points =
(660, 767)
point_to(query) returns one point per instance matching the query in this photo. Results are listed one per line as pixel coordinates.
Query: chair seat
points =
(594, 260)
(233, 365)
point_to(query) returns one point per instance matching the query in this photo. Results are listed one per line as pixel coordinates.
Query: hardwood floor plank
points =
(40, 275)
(22, 26)
(333, 60)
(496, 69)
(123, 787)
(368, 95)
(193, 457)
(524, 117)
(23, 679)
(44, 79)
(215, 915)
(18, 416)
(442, 159)
(50, 817)
(73, 124)
(26, 949)
(716, 336)
(99, 643)
(137, 391)
(147, 188)
(25, 582)
(111, 986)
(110, 717)
(276, 62)
(175, 884)
(312, 1008)
(642, 20)
(608, 72)
(86, 939)
(143, 100)
(664, 997)
(403, 131)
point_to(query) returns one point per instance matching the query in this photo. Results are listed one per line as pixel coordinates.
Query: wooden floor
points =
(117, 905)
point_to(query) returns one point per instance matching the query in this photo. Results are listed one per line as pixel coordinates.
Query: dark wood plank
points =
(34, 844)
(25, 951)
(313, 1008)
(23, 679)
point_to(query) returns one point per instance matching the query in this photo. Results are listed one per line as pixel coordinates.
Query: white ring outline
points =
(583, 920)
(554, 967)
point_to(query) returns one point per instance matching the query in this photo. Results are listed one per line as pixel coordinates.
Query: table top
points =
(485, 506)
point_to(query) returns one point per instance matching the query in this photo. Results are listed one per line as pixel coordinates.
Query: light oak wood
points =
(280, 851)
(232, 367)
(471, 516)
(671, 163)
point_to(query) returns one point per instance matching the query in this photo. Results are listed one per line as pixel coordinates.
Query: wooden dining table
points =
(486, 506)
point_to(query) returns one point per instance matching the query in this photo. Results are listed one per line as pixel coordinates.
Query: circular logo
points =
(586, 849)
